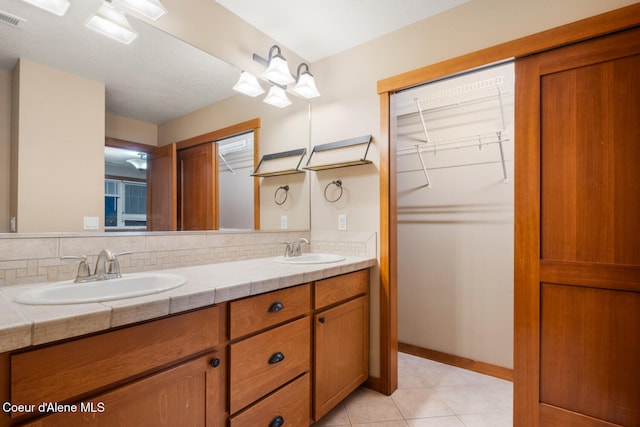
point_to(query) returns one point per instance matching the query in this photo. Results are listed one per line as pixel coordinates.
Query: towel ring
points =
(337, 183)
(284, 188)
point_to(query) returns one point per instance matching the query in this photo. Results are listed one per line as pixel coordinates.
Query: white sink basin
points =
(310, 258)
(128, 286)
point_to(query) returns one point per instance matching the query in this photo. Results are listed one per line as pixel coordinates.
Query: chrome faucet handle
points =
(84, 273)
(295, 247)
(113, 265)
(288, 250)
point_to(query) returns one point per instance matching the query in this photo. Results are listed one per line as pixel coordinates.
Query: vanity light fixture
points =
(152, 9)
(277, 68)
(57, 7)
(248, 84)
(305, 83)
(278, 75)
(113, 23)
(277, 97)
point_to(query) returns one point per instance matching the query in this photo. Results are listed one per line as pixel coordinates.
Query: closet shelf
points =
(281, 155)
(366, 139)
(456, 97)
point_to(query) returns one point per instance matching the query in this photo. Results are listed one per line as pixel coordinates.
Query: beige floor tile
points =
(451, 421)
(420, 403)
(430, 394)
(499, 419)
(368, 406)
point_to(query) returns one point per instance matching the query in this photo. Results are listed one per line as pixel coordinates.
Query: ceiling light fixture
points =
(277, 68)
(305, 83)
(152, 9)
(57, 7)
(277, 97)
(113, 23)
(248, 84)
(139, 163)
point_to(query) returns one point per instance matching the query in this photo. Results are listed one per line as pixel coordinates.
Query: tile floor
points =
(429, 394)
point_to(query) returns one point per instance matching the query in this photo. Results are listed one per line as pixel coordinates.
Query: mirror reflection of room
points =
(125, 190)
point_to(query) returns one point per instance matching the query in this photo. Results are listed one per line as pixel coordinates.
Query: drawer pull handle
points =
(214, 362)
(277, 422)
(276, 307)
(276, 358)
(322, 320)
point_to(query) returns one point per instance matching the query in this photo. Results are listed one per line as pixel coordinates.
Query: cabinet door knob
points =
(276, 358)
(214, 362)
(322, 320)
(277, 422)
(276, 307)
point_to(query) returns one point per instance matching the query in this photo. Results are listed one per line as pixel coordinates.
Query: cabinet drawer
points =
(261, 311)
(64, 371)
(335, 289)
(291, 404)
(255, 369)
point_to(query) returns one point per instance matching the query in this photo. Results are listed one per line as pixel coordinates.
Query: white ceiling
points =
(315, 29)
(158, 77)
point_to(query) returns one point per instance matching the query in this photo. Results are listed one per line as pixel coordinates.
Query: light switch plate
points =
(283, 222)
(342, 222)
(91, 222)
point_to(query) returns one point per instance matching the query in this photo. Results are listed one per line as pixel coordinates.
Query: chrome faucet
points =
(293, 248)
(107, 267)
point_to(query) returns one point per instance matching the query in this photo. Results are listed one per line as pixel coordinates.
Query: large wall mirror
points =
(151, 87)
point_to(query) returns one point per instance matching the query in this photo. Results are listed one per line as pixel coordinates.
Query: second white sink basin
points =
(128, 286)
(310, 258)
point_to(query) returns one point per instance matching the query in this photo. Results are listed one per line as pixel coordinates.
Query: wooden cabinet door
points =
(341, 353)
(191, 394)
(198, 187)
(162, 189)
(577, 271)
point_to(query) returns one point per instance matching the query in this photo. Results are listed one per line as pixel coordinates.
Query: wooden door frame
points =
(239, 128)
(599, 25)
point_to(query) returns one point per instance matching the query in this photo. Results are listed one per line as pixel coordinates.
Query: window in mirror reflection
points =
(125, 190)
(235, 185)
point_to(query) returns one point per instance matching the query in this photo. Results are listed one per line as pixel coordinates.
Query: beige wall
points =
(5, 140)
(131, 130)
(60, 135)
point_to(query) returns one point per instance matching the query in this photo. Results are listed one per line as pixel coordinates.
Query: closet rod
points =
(493, 162)
(477, 141)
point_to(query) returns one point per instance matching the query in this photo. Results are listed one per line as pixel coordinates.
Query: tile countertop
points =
(24, 325)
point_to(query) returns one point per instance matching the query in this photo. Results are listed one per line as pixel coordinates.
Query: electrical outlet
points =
(342, 222)
(12, 224)
(283, 222)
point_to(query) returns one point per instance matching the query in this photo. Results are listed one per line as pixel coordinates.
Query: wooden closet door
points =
(577, 272)
(198, 173)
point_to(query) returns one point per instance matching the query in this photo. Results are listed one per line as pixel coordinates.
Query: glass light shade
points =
(152, 9)
(248, 84)
(112, 23)
(306, 86)
(277, 97)
(278, 71)
(140, 164)
(57, 7)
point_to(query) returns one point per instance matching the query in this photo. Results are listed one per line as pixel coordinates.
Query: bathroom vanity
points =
(285, 349)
